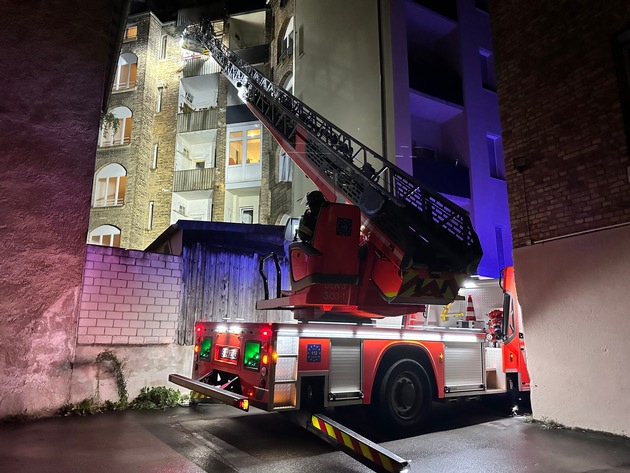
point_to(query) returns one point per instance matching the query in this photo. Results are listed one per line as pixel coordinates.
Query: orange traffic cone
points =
(470, 310)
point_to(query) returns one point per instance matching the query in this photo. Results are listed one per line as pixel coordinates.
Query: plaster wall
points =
(49, 114)
(576, 316)
(142, 366)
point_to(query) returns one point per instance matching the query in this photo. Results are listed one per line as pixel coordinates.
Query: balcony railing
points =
(109, 143)
(193, 180)
(108, 201)
(200, 67)
(124, 85)
(198, 120)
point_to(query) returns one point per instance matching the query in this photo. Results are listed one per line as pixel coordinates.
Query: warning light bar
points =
(227, 397)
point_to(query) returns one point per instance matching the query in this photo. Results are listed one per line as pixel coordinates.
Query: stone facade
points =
(145, 183)
(281, 68)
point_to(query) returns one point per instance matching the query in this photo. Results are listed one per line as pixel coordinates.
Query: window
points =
(117, 131)
(244, 143)
(247, 214)
(495, 156)
(200, 164)
(285, 167)
(486, 59)
(163, 47)
(158, 104)
(150, 216)
(131, 33)
(105, 235)
(285, 45)
(288, 84)
(109, 186)
(301, 40)
(126, 72)
(156, 150)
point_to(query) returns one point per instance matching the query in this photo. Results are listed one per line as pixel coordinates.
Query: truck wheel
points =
(405, 396)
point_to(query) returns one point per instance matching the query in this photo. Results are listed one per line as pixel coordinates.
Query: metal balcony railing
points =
(198, 120)
(200, 66)
(193, 180)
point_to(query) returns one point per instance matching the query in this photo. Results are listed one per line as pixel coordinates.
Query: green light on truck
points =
(205, 349)
(251, 358)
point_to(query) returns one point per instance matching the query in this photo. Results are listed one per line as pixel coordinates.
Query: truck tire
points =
(405, 396)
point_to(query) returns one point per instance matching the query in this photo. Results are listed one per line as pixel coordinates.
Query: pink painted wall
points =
(129, 297)
(54, 62)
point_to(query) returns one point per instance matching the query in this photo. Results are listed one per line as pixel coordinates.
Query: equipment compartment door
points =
(345, 369)
(463, 367)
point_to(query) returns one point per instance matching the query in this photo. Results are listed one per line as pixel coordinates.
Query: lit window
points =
(110, 186)
(131, 33)
(126, 72)
(246, 142)
(116, 129)
(105, 235)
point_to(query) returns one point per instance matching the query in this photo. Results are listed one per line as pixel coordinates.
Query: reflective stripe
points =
(369, 453)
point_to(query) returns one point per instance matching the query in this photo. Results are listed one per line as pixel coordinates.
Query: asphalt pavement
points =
(216, 438)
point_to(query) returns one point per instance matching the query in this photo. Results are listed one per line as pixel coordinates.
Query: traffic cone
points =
(470, 310)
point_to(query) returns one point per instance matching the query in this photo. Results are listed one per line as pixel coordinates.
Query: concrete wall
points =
(576, 321)
(55, 57)
(567, 156)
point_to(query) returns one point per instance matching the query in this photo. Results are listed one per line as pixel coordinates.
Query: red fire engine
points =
(383, 247)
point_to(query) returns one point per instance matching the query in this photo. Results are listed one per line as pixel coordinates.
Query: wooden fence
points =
(220, 285)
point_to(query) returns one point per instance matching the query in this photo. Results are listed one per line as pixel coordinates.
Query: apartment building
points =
(178, 142)
(411, 79)
(414, 81)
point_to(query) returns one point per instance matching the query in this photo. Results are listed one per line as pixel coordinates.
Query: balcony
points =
(198, 120)
(193, 180)
(109, 201)
(200, 67)
(254, 54)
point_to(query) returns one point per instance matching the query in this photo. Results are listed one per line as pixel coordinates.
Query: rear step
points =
(227, 397)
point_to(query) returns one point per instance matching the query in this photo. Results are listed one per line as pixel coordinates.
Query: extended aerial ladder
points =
(413, 245)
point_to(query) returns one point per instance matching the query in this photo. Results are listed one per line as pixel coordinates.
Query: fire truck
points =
(373, 294)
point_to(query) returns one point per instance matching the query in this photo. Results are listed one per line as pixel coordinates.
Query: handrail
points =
(384, 192)
(264, 276)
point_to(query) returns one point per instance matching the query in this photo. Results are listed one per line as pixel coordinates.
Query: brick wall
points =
(129, 297)
(561, 116)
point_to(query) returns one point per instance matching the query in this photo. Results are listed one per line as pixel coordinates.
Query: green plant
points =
(86, 407)
(116, 367)
(159, 397)
(109, 121)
